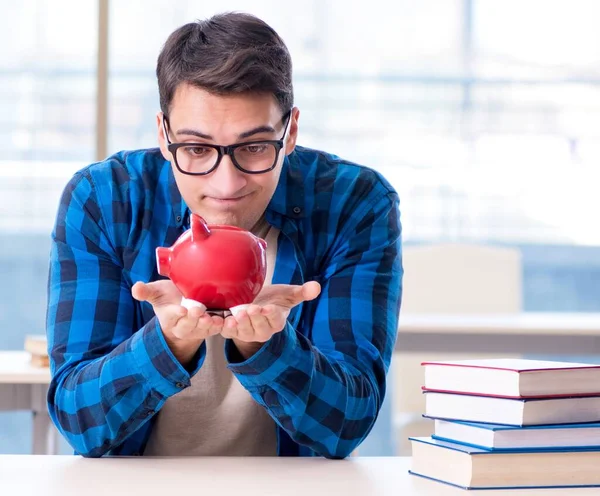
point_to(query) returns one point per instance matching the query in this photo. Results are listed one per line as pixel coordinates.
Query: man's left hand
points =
(251, 328)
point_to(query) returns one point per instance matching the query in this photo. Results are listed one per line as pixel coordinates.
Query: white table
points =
(24, 387)
(72, 475)
(527, 332)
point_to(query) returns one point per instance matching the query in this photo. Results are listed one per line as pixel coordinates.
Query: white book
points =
(509, 411)
(474, 468)
(516, 378)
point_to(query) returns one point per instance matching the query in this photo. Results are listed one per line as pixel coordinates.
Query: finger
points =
(276, 316)
(170, 316)
(217, 320)
(245, 331)
(229, 328)
(184, 326)
(217, 323)
(196, 312)
(261, 325)
(209, 325)
(193, 327)
(214, 325)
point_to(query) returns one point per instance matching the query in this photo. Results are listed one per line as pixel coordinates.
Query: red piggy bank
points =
(217, 265)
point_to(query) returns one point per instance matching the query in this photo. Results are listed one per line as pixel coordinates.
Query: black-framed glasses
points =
(251, 157)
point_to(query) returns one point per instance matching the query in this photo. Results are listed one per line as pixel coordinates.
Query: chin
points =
(227, 218)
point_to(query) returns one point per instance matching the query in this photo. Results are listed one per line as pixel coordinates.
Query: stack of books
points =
(510, 423)
(37, 346)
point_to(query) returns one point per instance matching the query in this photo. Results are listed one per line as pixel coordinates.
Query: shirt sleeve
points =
(325, 386)
(108, 377)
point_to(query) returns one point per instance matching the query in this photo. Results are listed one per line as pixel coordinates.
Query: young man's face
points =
(226, 195)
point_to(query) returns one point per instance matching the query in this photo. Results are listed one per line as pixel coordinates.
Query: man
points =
(302, 370)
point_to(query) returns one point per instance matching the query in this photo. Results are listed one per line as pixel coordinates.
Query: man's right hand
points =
(184, 330)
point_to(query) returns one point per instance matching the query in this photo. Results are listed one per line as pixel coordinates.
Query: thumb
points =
(286, 295)
(310, 290)
(150, 292)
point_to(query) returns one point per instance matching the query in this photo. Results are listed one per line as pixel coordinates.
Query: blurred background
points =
(484, 114)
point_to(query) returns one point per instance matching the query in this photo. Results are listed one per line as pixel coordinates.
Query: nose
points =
(227, 180)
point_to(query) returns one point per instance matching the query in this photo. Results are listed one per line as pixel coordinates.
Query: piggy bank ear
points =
(200, 229)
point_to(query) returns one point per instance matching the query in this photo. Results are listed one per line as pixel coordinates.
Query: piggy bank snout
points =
(163, 261)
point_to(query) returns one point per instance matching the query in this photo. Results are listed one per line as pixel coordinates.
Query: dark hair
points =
(230, 53)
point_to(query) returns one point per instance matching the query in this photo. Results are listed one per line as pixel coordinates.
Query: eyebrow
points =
(244, 135)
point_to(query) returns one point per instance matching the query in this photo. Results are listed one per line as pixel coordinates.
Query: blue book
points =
(502, 437)
(469, 467)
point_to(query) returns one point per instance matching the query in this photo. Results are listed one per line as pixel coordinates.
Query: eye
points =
(198, 151)
(255, 149)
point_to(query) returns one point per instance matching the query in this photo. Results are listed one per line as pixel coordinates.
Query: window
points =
(47, 94)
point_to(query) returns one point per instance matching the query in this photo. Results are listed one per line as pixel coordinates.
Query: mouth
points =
(227, 201)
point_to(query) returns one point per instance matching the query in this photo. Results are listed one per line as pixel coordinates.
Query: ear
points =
(290, 144)
(162, 142)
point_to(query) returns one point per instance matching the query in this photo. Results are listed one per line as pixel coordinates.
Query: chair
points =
(449, 278)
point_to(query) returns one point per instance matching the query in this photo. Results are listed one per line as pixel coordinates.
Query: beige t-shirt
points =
(216, 415)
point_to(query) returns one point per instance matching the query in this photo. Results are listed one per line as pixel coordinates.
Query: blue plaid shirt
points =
(322, 379)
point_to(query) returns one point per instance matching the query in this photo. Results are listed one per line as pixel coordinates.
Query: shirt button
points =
(149, 413)
(180, 385)
(178, 218)
(296, 210)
